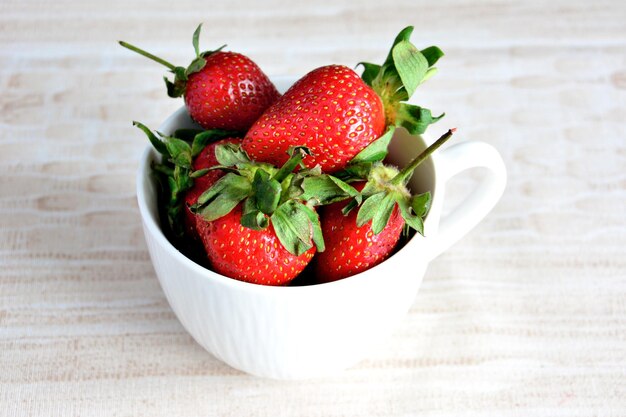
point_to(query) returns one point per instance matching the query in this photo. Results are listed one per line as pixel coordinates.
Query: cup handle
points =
(479, 202)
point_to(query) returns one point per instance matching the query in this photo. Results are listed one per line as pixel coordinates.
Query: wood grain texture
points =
(525, 316)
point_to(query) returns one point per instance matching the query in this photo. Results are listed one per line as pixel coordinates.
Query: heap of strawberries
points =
(271, 183)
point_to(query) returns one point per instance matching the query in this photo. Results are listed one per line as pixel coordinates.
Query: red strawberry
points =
(330, 110)
(351, 249)
(206, 159)
(249, 255)
(336, 114)
(230, 92)
(222, 90)
(363, 239)
(255, 223)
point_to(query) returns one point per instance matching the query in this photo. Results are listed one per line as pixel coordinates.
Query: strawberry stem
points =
(147, 54)
(403, 176)
(297, 155)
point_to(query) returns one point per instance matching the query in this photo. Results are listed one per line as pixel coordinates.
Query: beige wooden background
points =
(525, 316)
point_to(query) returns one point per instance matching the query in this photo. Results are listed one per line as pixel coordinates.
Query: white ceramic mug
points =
(316, 330)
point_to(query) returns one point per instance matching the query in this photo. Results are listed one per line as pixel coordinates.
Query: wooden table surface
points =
(525, 316)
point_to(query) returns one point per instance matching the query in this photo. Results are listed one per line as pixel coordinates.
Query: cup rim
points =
(153, 227)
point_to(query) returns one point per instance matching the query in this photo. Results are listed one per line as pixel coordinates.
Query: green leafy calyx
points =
(178, 86)
(281, 197)
(386, 189)
(397, 79)
(175, 171)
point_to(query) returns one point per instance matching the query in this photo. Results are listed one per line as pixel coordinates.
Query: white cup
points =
(316, 330)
